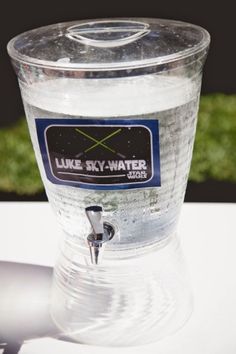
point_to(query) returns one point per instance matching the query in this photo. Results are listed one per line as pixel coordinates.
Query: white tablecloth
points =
(29, 234)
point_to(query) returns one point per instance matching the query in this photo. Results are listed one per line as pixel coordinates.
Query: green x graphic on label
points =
(99, 142)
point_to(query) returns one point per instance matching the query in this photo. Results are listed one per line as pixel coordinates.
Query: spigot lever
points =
(94, 215)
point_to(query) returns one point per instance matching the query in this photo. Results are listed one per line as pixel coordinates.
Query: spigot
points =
(101, 233)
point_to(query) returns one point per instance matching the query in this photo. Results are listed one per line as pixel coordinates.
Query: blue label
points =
(100, 154)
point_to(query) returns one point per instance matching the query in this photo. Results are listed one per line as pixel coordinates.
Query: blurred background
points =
(213, 171)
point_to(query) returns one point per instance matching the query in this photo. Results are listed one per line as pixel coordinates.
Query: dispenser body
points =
(133, 293)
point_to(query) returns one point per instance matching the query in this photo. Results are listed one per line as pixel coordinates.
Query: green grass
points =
(214, 154)
(18, 169)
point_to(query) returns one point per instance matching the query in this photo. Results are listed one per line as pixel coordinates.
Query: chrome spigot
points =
(101, 233)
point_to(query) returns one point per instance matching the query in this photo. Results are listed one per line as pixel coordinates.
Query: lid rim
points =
(183, 54)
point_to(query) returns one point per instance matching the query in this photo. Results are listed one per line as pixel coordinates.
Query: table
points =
(29, 234)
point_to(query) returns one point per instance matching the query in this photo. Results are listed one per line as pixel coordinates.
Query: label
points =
(100, 154)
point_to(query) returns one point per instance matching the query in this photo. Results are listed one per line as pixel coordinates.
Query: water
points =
(142, 216)
(89, 302)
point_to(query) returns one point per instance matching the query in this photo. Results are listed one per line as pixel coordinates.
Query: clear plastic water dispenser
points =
(112, 109)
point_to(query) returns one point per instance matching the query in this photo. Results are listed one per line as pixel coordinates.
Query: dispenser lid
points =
(108, 44)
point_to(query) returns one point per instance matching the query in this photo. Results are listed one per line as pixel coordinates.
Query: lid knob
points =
(107, 34)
